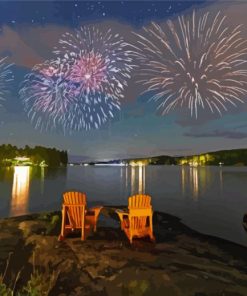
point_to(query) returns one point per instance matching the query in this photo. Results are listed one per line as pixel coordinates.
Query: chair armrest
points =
(95, 208)
(121, 214)
(118, 211)
(93, 211)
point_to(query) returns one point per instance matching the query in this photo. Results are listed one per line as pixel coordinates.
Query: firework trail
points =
(197, 61)
(5, 77)
(82, 87)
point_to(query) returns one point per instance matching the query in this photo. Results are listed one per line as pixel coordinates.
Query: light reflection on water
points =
(20, 191)
(42, 179)
(137, 180)
(196, 180)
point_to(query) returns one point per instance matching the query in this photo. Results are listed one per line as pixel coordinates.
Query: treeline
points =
(224, 157)
(155, 160)
(37, 155)
(165, 159)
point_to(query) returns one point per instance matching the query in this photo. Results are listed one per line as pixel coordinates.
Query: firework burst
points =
(100, 65)
(82, 87)
(5, 77)
(52, 101)
(195, 62)
(46, 95)
(99, 61)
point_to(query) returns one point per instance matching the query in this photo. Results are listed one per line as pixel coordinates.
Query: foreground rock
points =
(182, 262)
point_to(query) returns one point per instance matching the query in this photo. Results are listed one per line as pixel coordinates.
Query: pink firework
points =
(52, 101)
(82, 87)
(89, 71)
(100, 61)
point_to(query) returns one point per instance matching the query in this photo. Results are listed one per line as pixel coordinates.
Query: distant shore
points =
(235, 157)
(181, 262)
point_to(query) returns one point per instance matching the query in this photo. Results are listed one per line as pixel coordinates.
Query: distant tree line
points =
(50, 156)
(165, 159)
(236, 157)
(225, 157)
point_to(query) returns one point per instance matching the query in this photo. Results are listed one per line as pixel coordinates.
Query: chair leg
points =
(62, 234)
(96, 214)
(130, 234)
(83, 226)
(95, 224)
(82, 234)
(151, 228)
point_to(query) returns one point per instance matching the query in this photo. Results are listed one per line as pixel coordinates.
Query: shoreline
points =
(181, 262)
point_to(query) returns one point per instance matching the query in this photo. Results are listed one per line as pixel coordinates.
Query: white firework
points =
(6, 76)
(194, 62)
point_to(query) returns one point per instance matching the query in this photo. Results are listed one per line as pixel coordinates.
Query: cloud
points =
(229, 134)
(19, 52)
(29, 45)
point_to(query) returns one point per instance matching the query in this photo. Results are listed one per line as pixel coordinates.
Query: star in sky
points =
(135, 12)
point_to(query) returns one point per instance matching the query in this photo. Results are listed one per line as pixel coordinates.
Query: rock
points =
(106, 264)
(166, 277)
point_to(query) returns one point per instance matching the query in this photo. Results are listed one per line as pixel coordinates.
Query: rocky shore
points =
(181, 262)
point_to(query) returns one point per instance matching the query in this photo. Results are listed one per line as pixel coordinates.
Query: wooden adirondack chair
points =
(138, 220)
(75, 215)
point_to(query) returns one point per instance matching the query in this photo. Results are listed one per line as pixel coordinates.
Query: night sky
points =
(30, 30)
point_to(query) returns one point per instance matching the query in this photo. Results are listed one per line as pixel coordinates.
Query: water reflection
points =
(195, 181)
(137, 180)
(42, 180)
(126, 177)
(132, 173)
(183, 179)
(20, 190)
(221, 181)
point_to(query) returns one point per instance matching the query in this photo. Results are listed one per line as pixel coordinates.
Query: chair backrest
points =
(139, 201)
(74, 198)
(139, 210)
(76, 204)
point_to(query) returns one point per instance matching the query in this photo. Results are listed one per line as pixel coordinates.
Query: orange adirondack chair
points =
(75, 215)
(138, 220)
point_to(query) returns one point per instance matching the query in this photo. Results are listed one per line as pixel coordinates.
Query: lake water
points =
(211, 200)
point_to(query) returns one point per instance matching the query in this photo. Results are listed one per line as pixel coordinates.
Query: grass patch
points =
(39, 284)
